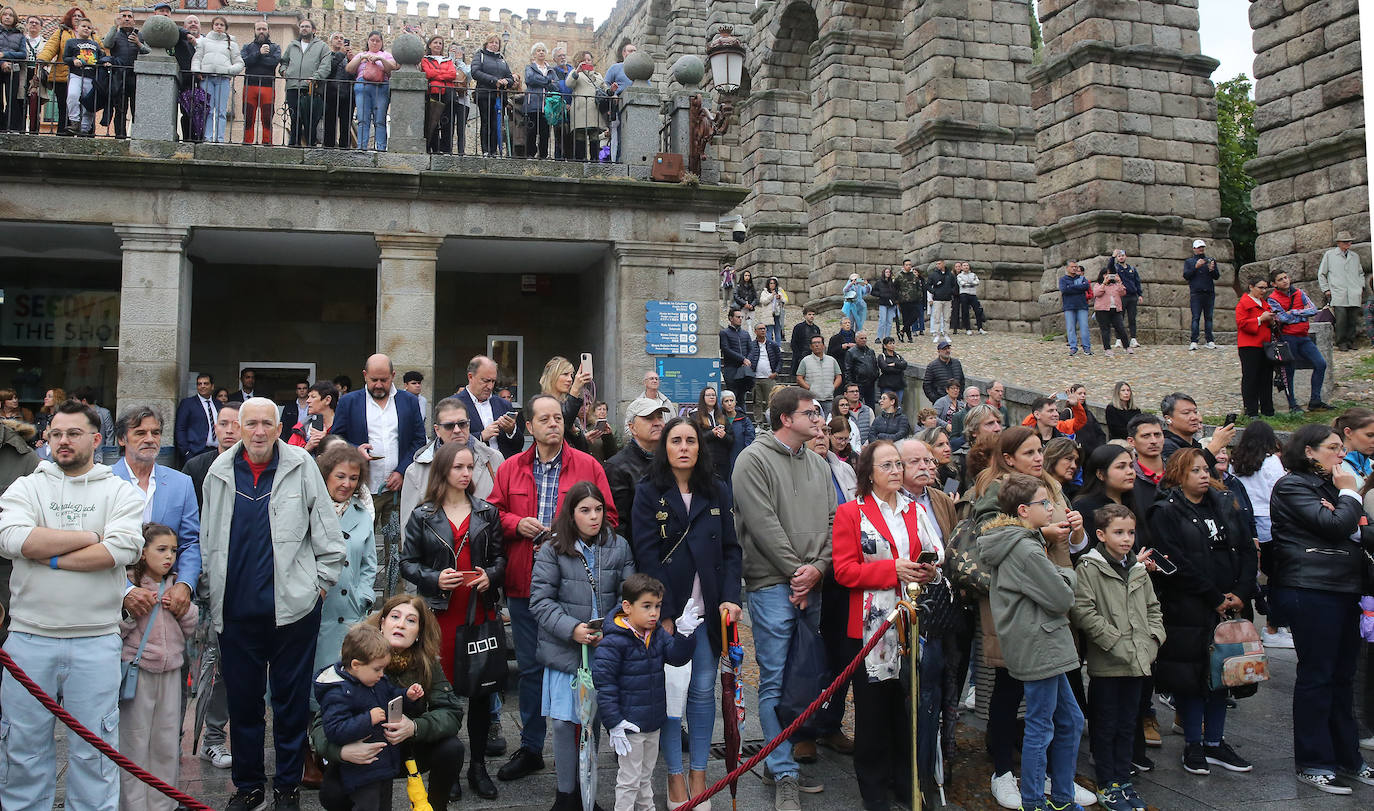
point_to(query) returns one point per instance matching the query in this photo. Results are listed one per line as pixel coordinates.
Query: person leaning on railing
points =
(372, 91)
(442, 73)
(540, 79)
(11, 70)
(338, 95)
(462, 99)
(56, 70)
(125, 47)
(218, 59)
(493, 77)
(260, 60)
(586, 119)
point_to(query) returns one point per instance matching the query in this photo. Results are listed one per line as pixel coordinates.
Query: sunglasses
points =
(452, 426)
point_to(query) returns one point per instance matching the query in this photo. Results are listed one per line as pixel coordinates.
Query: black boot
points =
(480, 782)
(564, 801)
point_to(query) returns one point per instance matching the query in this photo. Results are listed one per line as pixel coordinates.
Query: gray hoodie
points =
(784, 506)
(56, 602)
(1031, 598)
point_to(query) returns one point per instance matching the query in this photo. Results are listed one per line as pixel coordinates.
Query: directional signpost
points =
(670, 327)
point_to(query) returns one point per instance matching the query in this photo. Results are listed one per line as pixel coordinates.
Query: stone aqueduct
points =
(873, 131)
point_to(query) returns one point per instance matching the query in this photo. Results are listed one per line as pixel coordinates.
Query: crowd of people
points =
(335, 92)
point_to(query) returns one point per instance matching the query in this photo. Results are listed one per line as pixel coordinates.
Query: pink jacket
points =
(166, 646)
(1108, 296)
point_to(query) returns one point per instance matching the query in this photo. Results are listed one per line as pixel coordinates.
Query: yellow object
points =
(415, 788)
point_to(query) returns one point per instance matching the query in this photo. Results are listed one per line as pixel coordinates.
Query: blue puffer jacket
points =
(1074, 291)
(345, 705)
(628, 673)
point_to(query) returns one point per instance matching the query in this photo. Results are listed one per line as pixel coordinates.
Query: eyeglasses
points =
(73, 435)
(1044, 502)
(891, 467)
(452, 426)
(814, 413)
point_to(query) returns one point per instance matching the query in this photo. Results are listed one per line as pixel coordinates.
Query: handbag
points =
(937, 609)
(128, 671)
(1237, 656)
(479, 651)
(1277, 349)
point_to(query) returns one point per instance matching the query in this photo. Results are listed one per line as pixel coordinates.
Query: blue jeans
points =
(1080, 334)
(1304, 347)
(85, 671)
(1054, 725)
(1205, 712)
(886, 312)
(1327, 640)
(525, 628)
(701, 712)
(932, 699)
(372, 99)
(219, 90)
(1202, 305)
(774, 617)
(773, 331)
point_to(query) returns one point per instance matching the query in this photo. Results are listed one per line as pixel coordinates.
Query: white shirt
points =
(764, 369)
(383, 434)
(896, 523)
(484, 411)
(147, 494)
(209, 410)
(924, 500)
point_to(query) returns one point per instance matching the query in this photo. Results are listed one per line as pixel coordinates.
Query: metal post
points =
(913, 593)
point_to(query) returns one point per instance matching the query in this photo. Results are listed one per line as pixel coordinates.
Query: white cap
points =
(1197, 243)
(644, 407)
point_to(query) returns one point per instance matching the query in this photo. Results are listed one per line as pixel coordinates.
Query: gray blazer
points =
(561, 597)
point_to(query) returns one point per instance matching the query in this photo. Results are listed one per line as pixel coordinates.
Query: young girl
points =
(150, 722)
(576, 580)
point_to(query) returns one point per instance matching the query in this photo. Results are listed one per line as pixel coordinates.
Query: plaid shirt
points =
(546, 485)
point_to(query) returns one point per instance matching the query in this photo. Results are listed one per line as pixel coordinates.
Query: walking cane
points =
(909, 634)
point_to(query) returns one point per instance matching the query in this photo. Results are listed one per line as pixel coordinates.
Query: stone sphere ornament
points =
(408, 49)
(689, 70)
(639, 67)
(159, 32)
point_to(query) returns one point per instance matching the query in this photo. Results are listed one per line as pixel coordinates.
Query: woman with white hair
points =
(540, 78)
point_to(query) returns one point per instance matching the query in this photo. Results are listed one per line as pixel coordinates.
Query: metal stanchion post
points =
(913, 593)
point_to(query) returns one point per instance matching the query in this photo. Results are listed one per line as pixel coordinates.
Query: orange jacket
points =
(1070, 426)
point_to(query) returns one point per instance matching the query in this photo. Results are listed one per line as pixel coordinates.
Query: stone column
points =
(154, 317)
(155, 106)
(1127, 152)
(405, 303)
(406, 131)
(968, 158)
(639, 129)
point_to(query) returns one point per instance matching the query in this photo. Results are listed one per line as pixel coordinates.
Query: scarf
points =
(885, 660)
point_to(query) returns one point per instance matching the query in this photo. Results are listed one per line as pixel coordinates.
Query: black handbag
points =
(939, 613)
(1277, 349)
(479, 654)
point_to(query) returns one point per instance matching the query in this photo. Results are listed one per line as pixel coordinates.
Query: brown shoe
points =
(1152, 732)
(838, 742)
(804, 751)
(313, 775)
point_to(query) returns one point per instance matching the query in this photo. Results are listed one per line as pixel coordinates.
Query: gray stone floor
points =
(1259, 729)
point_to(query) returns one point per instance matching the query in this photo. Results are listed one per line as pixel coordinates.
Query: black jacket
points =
(734, 348)
(489, 68)
(891, 372)
(745, 294)
(860, 365)
(942, 285)
(774, 356)
(429, 549)
(1173, 442)
(835, 347)
(1312, 548)
(891, 427)
(623, 473)
(1201, 278)
(938, 375)
(1207, 570)
(885, 290)
(802, 333)
(1118, 419)
(259, 70)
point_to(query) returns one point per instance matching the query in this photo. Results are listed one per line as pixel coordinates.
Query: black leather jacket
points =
(1312, 548)
(429, 543)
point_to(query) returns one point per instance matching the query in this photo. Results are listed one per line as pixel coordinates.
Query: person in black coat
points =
(861, 366)
(1196, 526)
(494, 80)
(802, 333)
(891, 369)
(684, 536)
(840, 343)
(734, 352)
(1317, 578)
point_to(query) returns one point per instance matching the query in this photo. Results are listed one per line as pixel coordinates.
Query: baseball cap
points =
(644, 407)
(157, 6)
(943, 344)
(1197, 243)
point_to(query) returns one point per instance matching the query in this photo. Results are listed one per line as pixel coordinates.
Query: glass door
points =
(508, 351)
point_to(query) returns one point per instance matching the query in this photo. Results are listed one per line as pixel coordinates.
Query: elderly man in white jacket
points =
(1343, 281)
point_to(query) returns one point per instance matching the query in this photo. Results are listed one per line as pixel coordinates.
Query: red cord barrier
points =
(95, 740)
(768, 748)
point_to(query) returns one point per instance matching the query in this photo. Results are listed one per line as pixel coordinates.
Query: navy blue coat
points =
(629, 674)
(350, 422)
(734, 348)
(710, 548)
(774, 356)
(1201, 278)
(509, 445)
(345, 707)
(1073, 291)
(191, 430)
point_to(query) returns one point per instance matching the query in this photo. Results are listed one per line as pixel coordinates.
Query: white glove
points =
(690, 619)
(619, 740)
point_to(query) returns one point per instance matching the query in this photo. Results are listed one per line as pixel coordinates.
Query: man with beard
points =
(305, 65)
(260, 60)
(70, 527)
(123, 45)
(338, 95)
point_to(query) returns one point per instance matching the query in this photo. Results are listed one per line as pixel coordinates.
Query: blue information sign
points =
(670, 327)
(682, 379)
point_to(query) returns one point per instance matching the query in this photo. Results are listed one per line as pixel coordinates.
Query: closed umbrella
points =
(585, 690)
(731, 695)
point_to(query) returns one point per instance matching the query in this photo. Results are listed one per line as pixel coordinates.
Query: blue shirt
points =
(546, 486)
(248, 579)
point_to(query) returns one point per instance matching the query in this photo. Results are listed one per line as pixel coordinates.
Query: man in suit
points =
(736, 372)
(169, 499)
(247, 380)
(194, 429)
(492, 419)
(292, 412)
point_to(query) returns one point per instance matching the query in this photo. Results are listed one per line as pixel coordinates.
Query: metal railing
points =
(94, 100)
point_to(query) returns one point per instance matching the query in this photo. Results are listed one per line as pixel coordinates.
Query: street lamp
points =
(726, 52)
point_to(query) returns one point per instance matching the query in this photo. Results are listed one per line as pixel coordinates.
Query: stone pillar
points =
(1311, 167)
(154, 317)
(405, 303)
(406, 131)
(639, 129)
(1127, 151)
(968, 158)
(155, 106)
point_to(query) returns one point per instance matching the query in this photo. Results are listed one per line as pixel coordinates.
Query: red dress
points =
(456, 615)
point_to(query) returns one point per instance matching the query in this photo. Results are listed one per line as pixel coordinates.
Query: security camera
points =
(738, 232)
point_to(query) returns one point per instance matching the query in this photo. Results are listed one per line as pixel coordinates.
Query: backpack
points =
(965, 567)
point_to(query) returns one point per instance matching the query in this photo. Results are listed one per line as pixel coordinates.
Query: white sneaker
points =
(969, 698)
(1117, 345)
(1081, 795)
(1211, 344)
(968, 332)
(1005, 790)
(935, 339)
(982, 331)
(1279, 639)
(1367, 743)
(1134, 343)
(1192, 347)
(218, 756)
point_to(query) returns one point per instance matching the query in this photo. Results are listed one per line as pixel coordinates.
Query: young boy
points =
(1116, 608)
(353, 695)
(926, 418)
(81, 55)
(1031, 598)
(628, 672)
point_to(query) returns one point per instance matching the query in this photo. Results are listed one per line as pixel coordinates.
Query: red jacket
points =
(441, 72)
(1295, 299)
(1249, 331)
(851, 571)
(514, 495)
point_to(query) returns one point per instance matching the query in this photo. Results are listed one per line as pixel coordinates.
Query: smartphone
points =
(1163, 564)
(930, 558)
(1231, 418)
(317, 422)
(595, 624)
(393, 710)
(601, 425)
(469, 577)
(586, 363)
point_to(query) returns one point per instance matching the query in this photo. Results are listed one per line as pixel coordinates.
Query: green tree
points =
(1236, 145)
(1037, 38)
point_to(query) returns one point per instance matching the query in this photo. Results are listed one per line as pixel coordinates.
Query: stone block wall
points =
(1126, 150)
(968, 171)
(1311, 169)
